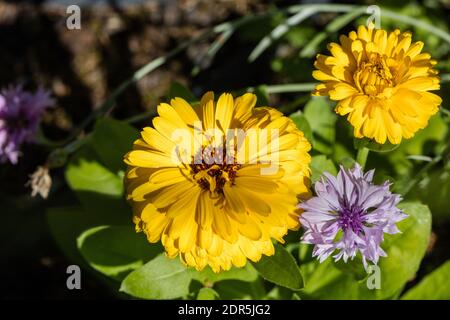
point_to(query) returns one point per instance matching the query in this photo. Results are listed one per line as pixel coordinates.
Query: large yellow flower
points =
(215, 196)
(381, 81)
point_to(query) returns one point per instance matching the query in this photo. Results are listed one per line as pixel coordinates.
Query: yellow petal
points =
(184, 110)
(148, 159)
(342, 91)
(205, 211)
(208, 115)
(186, 202)
(157, 141)
(208, 96)
(253, 202)
(257, 184)
(168, 195)
(243, 108)
(224, 111)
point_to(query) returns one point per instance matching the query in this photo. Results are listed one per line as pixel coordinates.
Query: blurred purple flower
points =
(20, 112)
(350, 214)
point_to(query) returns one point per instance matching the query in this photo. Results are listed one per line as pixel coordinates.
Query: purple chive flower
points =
(350, 214)
(20, 112)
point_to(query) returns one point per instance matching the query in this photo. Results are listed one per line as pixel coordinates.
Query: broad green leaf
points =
(180, 91)
(405, 252)
(116, 250)
(435, 286)
(319, 165)
(347, 162)
(280, 269)
(235, 289)
(281, 293)
(246, 273)
(305, 254)
(325, 281)
(86, 173)
(161, 278)
(354, 267)
(99, 190)
(303, 125)
(434, 190)
(207, 294)
(322, 119)
(111, 140)
(65, 224)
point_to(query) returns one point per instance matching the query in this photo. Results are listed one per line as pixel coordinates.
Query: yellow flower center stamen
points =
(374, 75)
(211, 175)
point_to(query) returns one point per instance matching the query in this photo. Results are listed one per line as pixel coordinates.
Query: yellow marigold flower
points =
(381, 81)
(213, 209)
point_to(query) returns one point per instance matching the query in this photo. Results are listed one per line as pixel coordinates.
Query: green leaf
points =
(246, 273)
(347, 162)
(111, 140)
(435, 286)
(354, 267)
(85, 173)
(207, 294)
(305, 251)
(116, 250)
(179, 90)
(434, 190)
(322, 119)
(65, 224)
(319, 165)
(405, 252)
(374, 146)
(280, 269)
(281, 293)
(161, 278)
(99, 190)
(303, 125)
(235, 289)
(325, 281)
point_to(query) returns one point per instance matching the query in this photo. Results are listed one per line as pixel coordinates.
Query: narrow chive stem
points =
(361, 156)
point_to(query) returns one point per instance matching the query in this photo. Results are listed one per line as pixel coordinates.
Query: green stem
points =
(291, 87)
(361, 156)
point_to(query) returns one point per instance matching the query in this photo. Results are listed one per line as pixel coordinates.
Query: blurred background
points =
(82, 67)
